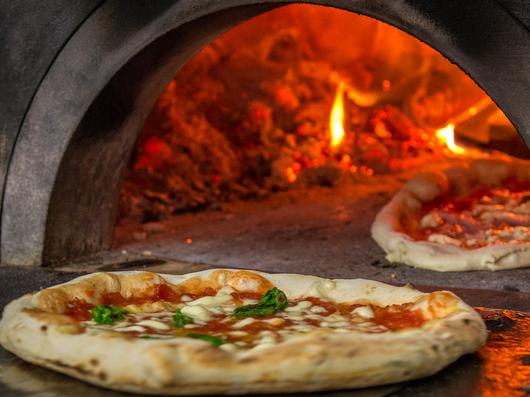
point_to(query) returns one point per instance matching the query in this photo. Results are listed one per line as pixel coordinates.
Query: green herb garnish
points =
(272, 302)
(106, 314)
(215, 341)
(180, 319)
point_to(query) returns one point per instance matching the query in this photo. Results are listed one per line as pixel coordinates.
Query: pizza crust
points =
(180, 366)
(387, 229)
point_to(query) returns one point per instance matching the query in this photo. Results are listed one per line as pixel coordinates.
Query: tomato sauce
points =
(239, 297)
(208, 291)
(396, 317)
(165, 293)
(79, 309)
(331, 307)
(393, 317)
(461, 208)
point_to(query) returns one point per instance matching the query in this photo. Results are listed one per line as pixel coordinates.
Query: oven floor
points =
(320, 231)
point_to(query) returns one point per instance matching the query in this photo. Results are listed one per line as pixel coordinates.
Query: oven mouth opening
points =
(327, 103)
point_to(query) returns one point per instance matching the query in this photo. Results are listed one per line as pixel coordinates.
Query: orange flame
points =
(446, 135)
(336, 119)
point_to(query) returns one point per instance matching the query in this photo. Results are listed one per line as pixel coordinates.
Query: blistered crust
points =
(315, 361)
(388, 227)
(142, 284)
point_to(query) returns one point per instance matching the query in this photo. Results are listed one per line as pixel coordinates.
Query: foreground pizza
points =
(236, 332)
(469, 217)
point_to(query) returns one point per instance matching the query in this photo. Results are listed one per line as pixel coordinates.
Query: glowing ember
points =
(447, 136)
(336, 119)
(290, 174)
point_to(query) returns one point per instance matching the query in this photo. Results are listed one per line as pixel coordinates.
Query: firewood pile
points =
(249, 115)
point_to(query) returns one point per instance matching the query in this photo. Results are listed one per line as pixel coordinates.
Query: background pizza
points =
(474, 216)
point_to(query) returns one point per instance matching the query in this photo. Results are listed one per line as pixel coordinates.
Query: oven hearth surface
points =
(320, 231)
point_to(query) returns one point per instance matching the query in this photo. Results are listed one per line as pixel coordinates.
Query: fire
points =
(336, 119)
(290, 174)
(447, 136)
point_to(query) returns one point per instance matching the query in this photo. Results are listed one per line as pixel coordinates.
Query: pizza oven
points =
(183, 135)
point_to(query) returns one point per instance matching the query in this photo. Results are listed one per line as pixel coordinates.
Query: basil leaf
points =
(272, 302)
(214, 340)
(106, 314)
(180, 319)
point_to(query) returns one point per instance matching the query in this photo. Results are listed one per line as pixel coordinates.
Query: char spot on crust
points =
(435, 348)
(44, 328)
(102, 376)
(247, 360)
(466, 321)
(322, 359)
(94, 361)
(78, 368)
(352, 353)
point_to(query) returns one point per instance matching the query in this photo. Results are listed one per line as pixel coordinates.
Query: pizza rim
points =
(316, 368)
(400, 247)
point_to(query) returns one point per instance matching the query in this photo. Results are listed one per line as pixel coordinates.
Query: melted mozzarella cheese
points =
(211, 301)
(443, 239)
(197, 312)
(154, 324)
(364, 311)
(243, 323)
(152, 307)
(432, 219)
(299, 307)
(275, 321)
(132, 328)
(238, 333)
(228, 347)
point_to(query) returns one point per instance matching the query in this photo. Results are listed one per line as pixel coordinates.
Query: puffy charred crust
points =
(92, 288)
(243, 281)
(402, 212)
(492, 172)
(426, 186)
(142, 284)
